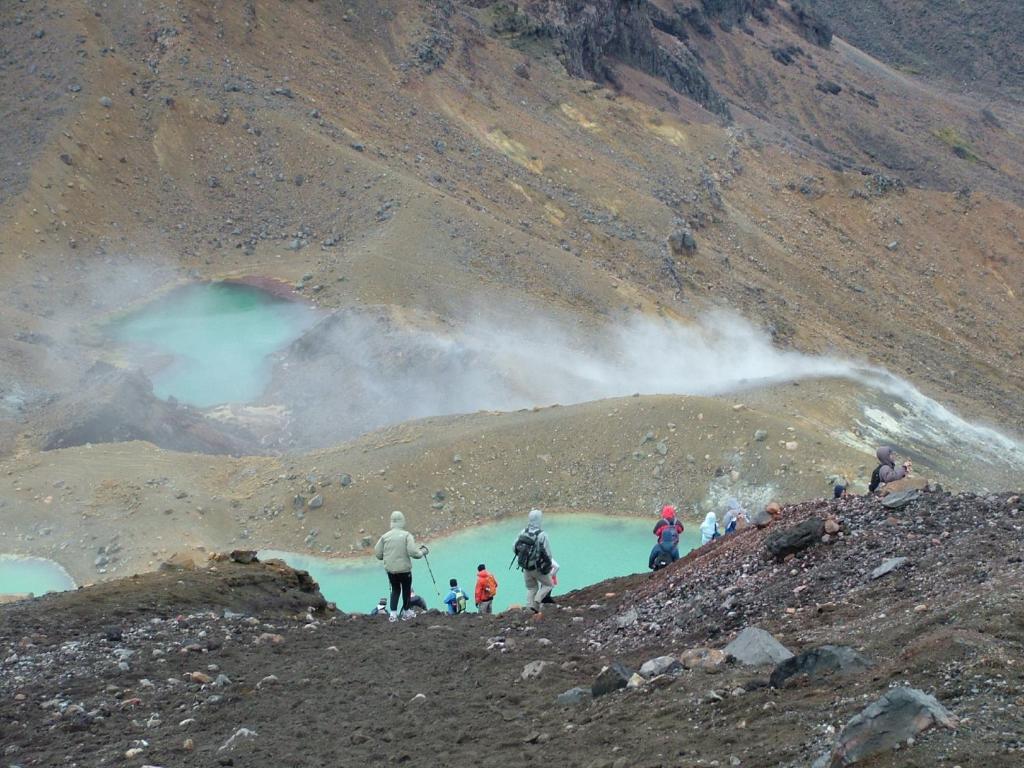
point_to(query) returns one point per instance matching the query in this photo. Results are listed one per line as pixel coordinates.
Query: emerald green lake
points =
(209, 343)
(588, 549)
(32, 575)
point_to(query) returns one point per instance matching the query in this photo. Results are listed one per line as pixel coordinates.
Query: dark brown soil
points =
(346, 686)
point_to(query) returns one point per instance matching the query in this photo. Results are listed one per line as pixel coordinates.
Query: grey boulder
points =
(612, 678)
(755, 647)
(899, 715)
(661, 665)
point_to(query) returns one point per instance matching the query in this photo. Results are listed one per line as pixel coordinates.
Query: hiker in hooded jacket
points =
(733, 514)
(397, 548)
(709, 528)
(486, 589)
(887, 471)
(533, 555)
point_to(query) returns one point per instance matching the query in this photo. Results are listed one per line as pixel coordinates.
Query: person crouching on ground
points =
(417, 601)
(533, 555)
(887, 471)
(733, 515)
(486, 589)
(397, 548)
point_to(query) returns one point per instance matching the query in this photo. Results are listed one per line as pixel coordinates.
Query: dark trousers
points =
(400, 582)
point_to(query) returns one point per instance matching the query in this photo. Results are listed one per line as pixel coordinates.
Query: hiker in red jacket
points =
(668, 517)
(486, 589)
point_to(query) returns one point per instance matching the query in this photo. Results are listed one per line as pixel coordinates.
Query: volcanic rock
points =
(755, 647)
(900, 714)
(795, 539)
(818, 662)
(612, 678)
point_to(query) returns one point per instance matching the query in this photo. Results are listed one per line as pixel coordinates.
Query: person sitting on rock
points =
(839, 491)
(709, 528)
(417, 601)
(455, 601)
(887, 471)
(733, 515)
(668, 517)
(380, 607)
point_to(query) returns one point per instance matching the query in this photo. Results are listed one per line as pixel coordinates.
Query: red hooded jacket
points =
(668, 517)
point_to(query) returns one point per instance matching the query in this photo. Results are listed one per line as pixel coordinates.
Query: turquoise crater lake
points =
(32, 576)
(588, 548)
(209, 344)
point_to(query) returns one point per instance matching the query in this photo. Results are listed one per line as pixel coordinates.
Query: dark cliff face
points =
(980, 43)
(593, 35)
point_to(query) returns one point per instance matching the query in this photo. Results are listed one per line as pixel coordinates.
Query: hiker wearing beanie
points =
(397, 548)
(533, 555)
(455, 600)
(486, 589)
(887, 471)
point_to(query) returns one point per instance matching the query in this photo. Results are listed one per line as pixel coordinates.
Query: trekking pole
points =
(431, 572)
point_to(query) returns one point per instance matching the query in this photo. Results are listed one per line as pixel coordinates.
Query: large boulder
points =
(900, 499)
(573, 697)
(755, 647)
(612, 678)
(661, 665)
(818, 662)
(900, 714)
(795, 539)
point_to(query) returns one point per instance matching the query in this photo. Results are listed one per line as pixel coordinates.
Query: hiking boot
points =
(392, 617)
(410, 614)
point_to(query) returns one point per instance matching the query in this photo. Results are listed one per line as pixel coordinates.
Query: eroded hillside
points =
(439, 156)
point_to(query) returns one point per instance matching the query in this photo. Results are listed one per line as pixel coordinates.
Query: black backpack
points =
(662, 559)
(530, 555)
(876, 479)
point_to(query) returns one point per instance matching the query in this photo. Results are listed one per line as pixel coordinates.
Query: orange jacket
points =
(486, 587)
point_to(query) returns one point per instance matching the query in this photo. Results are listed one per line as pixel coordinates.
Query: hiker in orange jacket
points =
(486, 589)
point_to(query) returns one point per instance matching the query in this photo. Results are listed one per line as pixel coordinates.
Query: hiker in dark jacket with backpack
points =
(667, 529)
(533, 555)
(668, 517)
(887, 471)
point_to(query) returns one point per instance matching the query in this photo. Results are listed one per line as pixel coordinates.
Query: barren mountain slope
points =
(437, 158)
